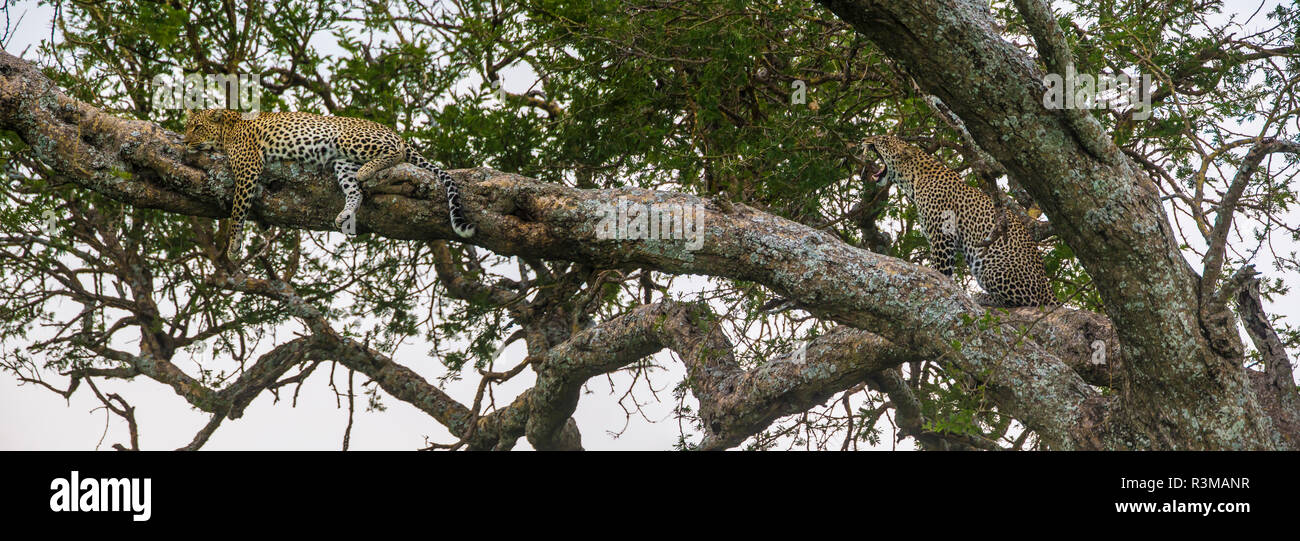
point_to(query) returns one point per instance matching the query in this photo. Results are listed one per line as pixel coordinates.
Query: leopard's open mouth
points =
(880, 175)
(884, 167)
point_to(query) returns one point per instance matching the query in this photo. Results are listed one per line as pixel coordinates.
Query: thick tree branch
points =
(736, 403)
(1054, 50)
(1276, 385)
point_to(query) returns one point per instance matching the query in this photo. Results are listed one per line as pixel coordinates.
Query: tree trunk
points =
(1184, 383)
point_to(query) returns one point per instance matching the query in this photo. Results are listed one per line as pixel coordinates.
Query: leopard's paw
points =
(346, 222)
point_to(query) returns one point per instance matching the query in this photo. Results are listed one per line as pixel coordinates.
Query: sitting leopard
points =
(957, 217)
(355, 148)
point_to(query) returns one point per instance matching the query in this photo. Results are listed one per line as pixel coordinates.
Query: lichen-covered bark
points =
(892, 311)
(1187, 387)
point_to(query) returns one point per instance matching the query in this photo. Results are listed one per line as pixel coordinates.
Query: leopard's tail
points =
(459, 223)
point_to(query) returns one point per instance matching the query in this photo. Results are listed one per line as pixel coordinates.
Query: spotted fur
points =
(954, 216)
(354, 149)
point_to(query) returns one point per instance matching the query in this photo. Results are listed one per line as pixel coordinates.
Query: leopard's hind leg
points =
(459, 223)
(346, 172)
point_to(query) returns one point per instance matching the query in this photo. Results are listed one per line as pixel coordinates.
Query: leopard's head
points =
(896, 155)
(207, 128)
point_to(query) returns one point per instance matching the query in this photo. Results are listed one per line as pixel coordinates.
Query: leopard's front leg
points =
(246, 162)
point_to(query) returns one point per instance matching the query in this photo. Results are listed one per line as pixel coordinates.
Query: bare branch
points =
(1218, 240)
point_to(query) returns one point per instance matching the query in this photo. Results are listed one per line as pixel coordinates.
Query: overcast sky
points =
(34, 418)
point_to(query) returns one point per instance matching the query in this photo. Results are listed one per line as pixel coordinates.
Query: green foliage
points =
(763, 101)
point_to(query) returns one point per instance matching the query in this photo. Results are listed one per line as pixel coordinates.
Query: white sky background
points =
(35, 418)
